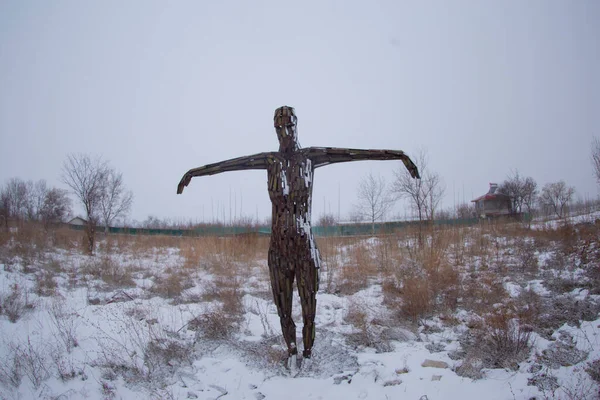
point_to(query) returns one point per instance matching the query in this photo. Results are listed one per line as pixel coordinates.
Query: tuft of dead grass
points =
(425, 280)
(45, 283)
(368, 332)
(114, 275)
(499, 340)
(173, 284)
(16, 303)
(358, 270)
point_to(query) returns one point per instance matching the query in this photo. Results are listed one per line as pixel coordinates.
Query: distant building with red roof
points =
(493, 204)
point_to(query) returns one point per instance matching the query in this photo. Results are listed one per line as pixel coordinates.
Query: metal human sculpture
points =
(293, 253)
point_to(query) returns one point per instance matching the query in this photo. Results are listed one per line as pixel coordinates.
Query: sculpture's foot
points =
(292, 360)
(292, 363)
(292, 349)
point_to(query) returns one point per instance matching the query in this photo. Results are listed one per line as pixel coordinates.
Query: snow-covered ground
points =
(195, 320)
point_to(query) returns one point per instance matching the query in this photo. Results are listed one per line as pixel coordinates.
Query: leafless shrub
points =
(113, 274)
(64, 323)
(331, 257)
(172, 286)
(11, 371)
(546, 383)
(262, 312)
(367, 332)
(483, 289)
(140, 350)
(332, 267)
(425, 281)
(15, 304)
(565, 282)
(65, 365)
(579, 387)
(108, 390)
(593, 370)
(222, 320)
(385, 252)
(562, 309)
(355, 273)
(470, 367)
(191, 252)
(500, 342)
(528, 306)
(215, 324)
(557, 261)
(526, 256)
(45, 283)
(563, 352)
(167, 351)
(417, 301)
(32, 362)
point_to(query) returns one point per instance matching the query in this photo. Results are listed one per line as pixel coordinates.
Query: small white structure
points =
(77, 221)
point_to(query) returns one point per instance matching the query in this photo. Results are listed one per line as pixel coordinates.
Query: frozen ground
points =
(176, 321)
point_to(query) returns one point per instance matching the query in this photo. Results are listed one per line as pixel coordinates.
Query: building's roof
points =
(75, 219)
(492, 194)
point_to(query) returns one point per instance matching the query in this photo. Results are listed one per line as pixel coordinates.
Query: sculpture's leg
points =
(307, 274)
(282, 279)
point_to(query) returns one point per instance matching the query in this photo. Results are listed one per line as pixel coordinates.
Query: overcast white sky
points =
(160, 87)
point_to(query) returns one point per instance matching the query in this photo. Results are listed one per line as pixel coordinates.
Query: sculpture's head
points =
(285, 125)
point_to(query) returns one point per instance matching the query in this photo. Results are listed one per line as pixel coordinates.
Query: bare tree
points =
(555, 196)
(4, 207)
(374, 200)
(530, 194)
(87, 179)
(423, 194)
(513, 186)
(596, 158)
(327, 219)
(99, 189)
(522, 191)
(115, 201)
(20, 201)
(56, 206)
(15, 199)
(34, 197)
(465, 211)
(434, 193)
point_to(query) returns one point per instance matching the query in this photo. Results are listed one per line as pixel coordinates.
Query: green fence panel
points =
(358, 229)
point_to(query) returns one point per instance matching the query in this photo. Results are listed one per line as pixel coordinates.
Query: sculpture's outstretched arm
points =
(255, 161)
(321, 156)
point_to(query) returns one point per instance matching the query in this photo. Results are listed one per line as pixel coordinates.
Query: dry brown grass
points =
(16, 303)
(332, 256)
(113, 274)
(358, 270)
(483, 289)
(45, 283)
(213, 250)
(223, 319)
(424, 280)
(416, 297)
(172, 284)
(65, 238)
(499, 341)
(365, 334)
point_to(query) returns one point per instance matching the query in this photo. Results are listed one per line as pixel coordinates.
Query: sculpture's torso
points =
(290, 182)
(290, 190)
